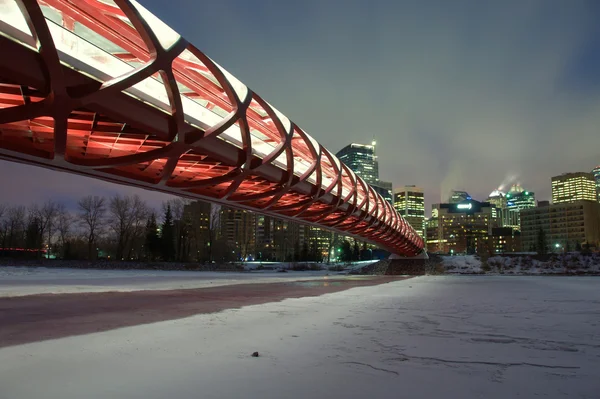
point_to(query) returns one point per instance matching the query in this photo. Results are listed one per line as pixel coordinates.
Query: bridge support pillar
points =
(415, 265)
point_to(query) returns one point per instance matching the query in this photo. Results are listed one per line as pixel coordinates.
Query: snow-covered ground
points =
(460, 264)
(427, 337)
(572, 263)
(18, 281)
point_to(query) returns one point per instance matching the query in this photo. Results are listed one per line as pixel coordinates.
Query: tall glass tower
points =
(361, 158)
(596, 173)
(409, 201)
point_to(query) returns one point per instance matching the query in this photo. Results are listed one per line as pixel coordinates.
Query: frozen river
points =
(426, 337)
(19, 281)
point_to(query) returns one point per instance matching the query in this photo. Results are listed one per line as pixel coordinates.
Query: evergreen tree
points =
(32, 235)
(346, 251)
(152, 242)
(355, 251)
(567, 247)
(578, 246)
(542, 245)
(304, 254)
(167, 237)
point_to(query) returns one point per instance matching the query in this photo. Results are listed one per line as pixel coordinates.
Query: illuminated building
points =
(566, 225)
(362, 160)
(464, 227)
(457, 196)
(570, 187)
(409, 201)
(596, 173)
(238, 228)
(519, 198)
(509, 216)
(384, 188)
(505, 239)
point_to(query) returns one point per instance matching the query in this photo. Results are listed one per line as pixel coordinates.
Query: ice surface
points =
(426, 337)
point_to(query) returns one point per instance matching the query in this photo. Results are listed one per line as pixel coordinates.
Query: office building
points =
(498, 199)
(384, 188)
(461, 228)
(238, 229)
(596, 173)
(566, 225)
(409, 201)
(518, 198)
(571, 187)
(362, 160)
(505, 239)
(507, 218)
(457, 196)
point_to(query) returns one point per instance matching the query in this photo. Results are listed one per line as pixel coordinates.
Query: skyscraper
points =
(362, 160)
(509, 217)
(518, 198)
(409, 201)
(596, 173)
(457, 196)
(570, 187)
(384, 188)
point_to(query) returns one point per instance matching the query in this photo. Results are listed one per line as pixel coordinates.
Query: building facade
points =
(505, 239)
(409, 201)
(518, 198)
(384, 188)
(462, 228)
(457, 196)
(566, 225)
(571, 187)
(596, 174)
(362, 160)
(238, 229)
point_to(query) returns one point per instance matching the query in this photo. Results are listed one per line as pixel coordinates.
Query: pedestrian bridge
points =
(105, 89)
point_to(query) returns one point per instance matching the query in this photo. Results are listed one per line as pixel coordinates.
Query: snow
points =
(19, 281)
(426, 337)
(462, 264)
(571, 263)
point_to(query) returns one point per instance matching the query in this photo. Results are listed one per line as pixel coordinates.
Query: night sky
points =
(459, 94)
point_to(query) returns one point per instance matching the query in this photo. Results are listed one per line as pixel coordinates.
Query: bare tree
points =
(129, 214)
(181, 227)
(63, 226)
(92, 210)
(45, 217)
(15, 226)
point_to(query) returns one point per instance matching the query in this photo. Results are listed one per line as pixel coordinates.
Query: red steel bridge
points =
(103, 88)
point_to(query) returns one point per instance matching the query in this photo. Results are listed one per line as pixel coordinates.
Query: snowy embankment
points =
(19, 281)
(426, 337)
(561, 264)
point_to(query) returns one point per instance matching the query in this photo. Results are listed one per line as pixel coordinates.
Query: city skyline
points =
(481, 110)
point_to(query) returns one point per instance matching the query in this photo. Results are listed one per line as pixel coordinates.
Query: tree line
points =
(118, 227)
(124, 227)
